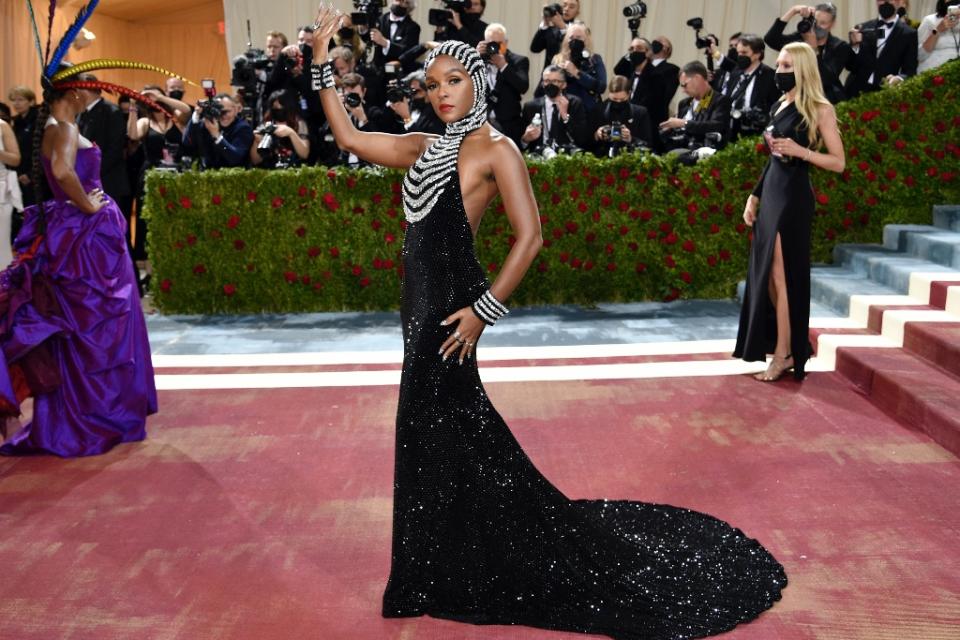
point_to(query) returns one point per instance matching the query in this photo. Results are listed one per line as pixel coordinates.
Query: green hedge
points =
(626, 229)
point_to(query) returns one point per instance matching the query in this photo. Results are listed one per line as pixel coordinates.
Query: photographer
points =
(365, 117)
(724, 65)
(622, 125)
(555, 120)
(585, 71)
(646, 85)
(704, 114)
(417, 113)
(348, 36)
(467, 25)
(939, 35)
(885, 51)
(395, 33)
(669, 74)
(219, 134)
(509, 77)
(752, 90)
(282, 140)
(344, 61)
(833, 54)
(549, 35)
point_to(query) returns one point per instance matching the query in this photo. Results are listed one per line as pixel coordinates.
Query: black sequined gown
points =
(480, 536)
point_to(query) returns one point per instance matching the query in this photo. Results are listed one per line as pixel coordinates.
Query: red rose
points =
(564, 256)
(937, 81)
(933, 172)
(199, 269)
(611, 267)
(301, 231)
(547, 243)
(572, 227)
(850, 206)
(823, 198)
(215, 234)
(596, 216)
(542, 267)
(641, 267)
(170, 206)
(375, 225)
(724, 255)
(251, 196)
(191, 240)
(605, 201)
(233, 222)
(576, 263)
(609, 179)
(590, 237)
(364, 283)
(163, 191)
(712, 261)
(928, 95)
(761, 148)
(334, 252)
(624, 173)
(388, 264)
(669, 261)
(641, 178)
(588, 265)
(646, 215)
(492, 267)
(302, 191)
(185, 202)
(582, 207)
(389, 238)
(634, 214)
(216, 199)
(689, 246)
(357, 270)
(290, 276)
(624, 230)
(330, 201)
(557, 233)
(318, 286)
(229, 289)
(391, 212)
(692, 220)
(831, 234)
(686, 277)
(900, 145)
(714, 228)
(165, 286)
(651, 235)
(741, 227)
(910, 181)
(673, 295)
(555, 199)
(239, 245)
(671, 238)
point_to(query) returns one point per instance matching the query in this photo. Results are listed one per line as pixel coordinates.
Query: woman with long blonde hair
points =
(585, 71)
(775, 317)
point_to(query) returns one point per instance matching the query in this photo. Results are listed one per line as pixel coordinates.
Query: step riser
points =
(947, 217)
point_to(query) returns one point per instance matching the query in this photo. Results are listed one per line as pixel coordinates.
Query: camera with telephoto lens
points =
(352, 100)
(752, 120)
(210, 109)
(697, 25)
(806, 25)
(366, 13)
(552, 10)
(493, 49)
(636, 10)
(266, 146)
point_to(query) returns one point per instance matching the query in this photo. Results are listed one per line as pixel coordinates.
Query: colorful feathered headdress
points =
(60, 79)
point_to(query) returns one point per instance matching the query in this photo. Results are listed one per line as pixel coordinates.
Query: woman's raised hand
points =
(327, 23)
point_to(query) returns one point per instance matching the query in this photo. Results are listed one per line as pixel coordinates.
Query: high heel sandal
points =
(777, 367)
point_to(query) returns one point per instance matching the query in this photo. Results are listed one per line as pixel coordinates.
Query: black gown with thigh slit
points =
(481, 536)
(786, 207)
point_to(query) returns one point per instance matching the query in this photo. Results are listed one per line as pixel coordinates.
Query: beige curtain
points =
(188, 42)
(604, 17)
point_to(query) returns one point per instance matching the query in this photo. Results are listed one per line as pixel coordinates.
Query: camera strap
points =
(739, 93)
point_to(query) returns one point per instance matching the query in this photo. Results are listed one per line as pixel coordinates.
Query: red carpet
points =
(265, 514)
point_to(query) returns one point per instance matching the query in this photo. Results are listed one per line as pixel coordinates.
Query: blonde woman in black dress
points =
(775, 317)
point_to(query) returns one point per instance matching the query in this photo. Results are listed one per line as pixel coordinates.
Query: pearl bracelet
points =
(321, 76)
(489, 309)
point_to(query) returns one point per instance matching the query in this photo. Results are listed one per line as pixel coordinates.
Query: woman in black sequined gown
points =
(775, 317)
(479, 535)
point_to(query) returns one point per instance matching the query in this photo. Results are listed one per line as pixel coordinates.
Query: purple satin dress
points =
(76, 299)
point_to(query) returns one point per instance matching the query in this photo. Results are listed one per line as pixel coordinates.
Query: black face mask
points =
(732, 53)
(418, 104)
(346, 33)
(618, 110)
(398, 11)
(657, 47)
(176, 94)
(637, 58)
(887, 10)
(551, 91)
(278, 115)
(785, 81)
(576, 48)
(743, 62)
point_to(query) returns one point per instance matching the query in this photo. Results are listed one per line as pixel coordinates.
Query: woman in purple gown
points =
(72, 333)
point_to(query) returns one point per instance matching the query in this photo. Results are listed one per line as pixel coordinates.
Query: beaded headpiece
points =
(430, 175)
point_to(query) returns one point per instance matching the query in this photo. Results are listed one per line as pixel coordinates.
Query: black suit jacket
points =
(575, 131)
(832, 58)
(639, 123)
(714, 119)
(649, 87)
(406, 37)
(506, 98)
(898, 57)
(106, 125)
(472, 32)
(765, 91)
(547, 40)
